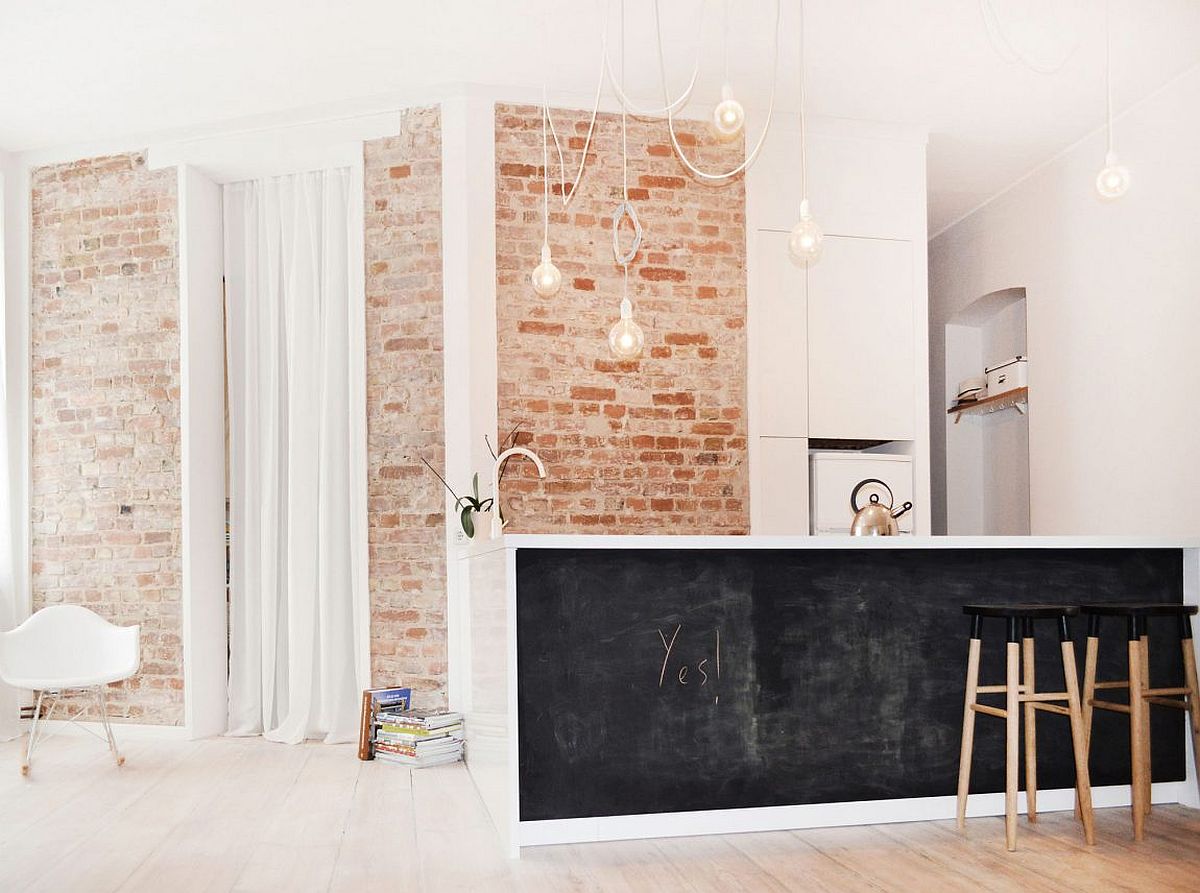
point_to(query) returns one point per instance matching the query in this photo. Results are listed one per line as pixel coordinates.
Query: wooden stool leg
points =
(1144, 642)
(1083, 784)
(1189, 679)
(968, 729)
(1012, 735)
(1089, 690)
(1137, 742)
(1027, 653)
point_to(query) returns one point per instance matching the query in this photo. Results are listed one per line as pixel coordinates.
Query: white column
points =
(469, 320)
(202, 432)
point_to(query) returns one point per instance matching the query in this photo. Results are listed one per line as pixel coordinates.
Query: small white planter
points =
(483, 526)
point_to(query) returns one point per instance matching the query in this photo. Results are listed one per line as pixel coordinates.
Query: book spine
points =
(365, 724)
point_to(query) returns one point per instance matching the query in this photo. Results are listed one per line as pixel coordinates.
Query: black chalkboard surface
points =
(670, 680)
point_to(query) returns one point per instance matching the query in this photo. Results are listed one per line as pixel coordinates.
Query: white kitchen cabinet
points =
(782, 507)
(779, 339)
(861, 341)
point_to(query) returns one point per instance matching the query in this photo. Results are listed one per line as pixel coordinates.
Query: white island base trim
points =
(823, 815)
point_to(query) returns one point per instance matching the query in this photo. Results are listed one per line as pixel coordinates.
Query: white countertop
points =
(655, 541)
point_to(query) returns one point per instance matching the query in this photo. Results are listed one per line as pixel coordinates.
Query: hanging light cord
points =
(803, 116)
(1008, 51)
(545, 173)
(725, 39)
(684, 160)
(624, 167)
(1108, 103)
(606, 73)
(674, 104)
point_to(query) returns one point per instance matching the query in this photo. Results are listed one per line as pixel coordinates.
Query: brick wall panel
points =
(645, 446)
(105, 377)
(406, 524)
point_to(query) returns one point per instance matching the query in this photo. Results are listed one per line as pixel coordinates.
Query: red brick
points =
(586, 393)
(533, 327)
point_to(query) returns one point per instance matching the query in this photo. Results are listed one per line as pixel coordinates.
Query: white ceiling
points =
(74, 71)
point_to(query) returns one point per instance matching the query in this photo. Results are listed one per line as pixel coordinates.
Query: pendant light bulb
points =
(728, 117)
(1113, 180)
(626, 338)
(546, 277)
(805, 240)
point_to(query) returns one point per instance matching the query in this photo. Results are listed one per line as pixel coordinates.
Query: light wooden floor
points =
(250, 815)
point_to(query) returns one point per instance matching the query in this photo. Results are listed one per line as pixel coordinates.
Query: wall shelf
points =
(1017, 398)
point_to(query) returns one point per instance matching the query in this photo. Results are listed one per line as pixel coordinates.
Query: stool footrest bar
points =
(1044, 696)
(1116, 683)
(1155, 692)
(995, 689)
(1109, 705)
(990, 711)
(1169, 702)
(1053, 708)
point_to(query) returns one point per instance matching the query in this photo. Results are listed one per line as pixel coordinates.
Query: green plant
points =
(473, 504)
(470, 504)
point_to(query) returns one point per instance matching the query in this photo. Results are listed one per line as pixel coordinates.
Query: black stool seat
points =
(1030, 612)
(1140, 609)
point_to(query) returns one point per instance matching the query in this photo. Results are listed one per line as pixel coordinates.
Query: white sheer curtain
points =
(296, 328)
(10, 725)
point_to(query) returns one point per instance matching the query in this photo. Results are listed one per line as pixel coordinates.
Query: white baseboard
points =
(121, 730)
(814, 815)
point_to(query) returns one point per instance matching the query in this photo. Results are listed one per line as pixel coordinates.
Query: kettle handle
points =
(863, 483)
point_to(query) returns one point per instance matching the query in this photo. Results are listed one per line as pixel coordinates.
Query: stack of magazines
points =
(418, 738)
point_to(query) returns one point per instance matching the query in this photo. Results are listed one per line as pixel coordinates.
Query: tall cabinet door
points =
(778, 386)
(861, 354)
(780, 347)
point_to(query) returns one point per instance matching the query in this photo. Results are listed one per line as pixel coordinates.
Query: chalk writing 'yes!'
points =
(702, 666)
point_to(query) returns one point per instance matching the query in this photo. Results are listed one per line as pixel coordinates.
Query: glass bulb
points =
(804, 241)
(546, 277)
(728, 116)
(1113, 180)
(626, 338)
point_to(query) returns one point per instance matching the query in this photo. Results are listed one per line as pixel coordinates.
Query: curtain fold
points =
(10, 723)
(297, 458)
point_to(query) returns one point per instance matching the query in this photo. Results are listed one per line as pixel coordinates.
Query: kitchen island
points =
(645, 686)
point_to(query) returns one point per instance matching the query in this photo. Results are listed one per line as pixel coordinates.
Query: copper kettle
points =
(874, 518)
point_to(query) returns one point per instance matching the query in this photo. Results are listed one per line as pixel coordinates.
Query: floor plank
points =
(244, 814)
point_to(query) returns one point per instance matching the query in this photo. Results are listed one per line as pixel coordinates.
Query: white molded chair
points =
(68, 648)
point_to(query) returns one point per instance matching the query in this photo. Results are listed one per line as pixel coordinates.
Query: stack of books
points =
(373, 701)
(418, 738)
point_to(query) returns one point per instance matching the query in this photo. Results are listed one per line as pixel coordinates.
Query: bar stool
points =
(1141, 695)
(1018, 689)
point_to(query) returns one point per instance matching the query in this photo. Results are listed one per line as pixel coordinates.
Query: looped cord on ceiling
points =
(1008, 51)
(749, 159)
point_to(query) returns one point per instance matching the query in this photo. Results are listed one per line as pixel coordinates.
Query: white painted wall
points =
(962, 482)
(202, 422)
(1113, 305)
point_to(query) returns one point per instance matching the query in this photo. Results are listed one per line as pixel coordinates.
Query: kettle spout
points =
(896, 513)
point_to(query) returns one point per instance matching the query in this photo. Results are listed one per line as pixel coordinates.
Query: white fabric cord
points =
(297, 458)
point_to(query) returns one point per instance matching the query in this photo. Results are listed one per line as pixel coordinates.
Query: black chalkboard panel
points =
(670, 680)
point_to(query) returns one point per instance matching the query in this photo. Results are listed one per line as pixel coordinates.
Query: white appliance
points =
(833, 475)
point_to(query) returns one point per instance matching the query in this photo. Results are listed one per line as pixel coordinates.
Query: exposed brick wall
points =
(406, 522)
(105, 377)
(650, 445)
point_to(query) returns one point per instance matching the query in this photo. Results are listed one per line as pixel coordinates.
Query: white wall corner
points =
(469, 321)
(202, 439)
